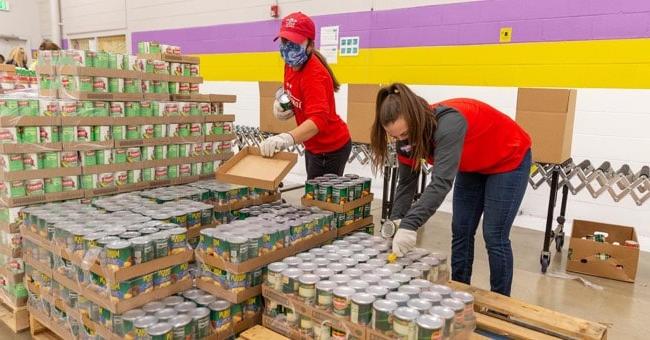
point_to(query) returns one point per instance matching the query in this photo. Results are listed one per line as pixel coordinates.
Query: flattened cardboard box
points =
(268, 122)
(244, 169)
(223, 98)
(583, 254)
(548, 115)
(361, 110)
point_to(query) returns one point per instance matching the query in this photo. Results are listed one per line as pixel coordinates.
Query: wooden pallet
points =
(16, 318)
(261, 332)
(40, 331)
(516, 319)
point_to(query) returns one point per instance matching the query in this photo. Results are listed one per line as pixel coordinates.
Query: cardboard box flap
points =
(545, 100)
(269, 88)
(249, 168)
(7, 68)
(223, 98)
(616, 233)
(363, 93)
(585, 257)
(268, 122)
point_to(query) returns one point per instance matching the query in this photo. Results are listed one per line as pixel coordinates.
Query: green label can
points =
(31, 134)
(119, 254)
(132, 109)
(118, 132)
(50, 160)
(160, 152)
(340, 194)
(162, 278)
(172, 171)
(180, 272)
(132, 86)
(172, 151)
(220, 317)
(325, 192)
(53, 184)
(119, 156)
(133, 132)
(115, 85)
(311, 189)
(101, 109)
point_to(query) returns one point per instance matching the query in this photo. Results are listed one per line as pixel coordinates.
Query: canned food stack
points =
(12, 268)
(16, 78)
(350, 280)
(334, 193)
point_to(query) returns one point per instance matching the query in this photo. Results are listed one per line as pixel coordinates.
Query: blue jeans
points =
(497, 197)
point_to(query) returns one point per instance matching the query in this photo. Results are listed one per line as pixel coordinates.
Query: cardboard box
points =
(583, 254)
(191, 97)
(261, 261)
(547, 115)
(339, 208)
(268, 122)
(85, 146)
(30, 148)
(227, 295)
(185, 59)
(244, 169)
(362, 99)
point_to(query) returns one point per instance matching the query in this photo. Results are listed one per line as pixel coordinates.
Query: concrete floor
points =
(622, 306)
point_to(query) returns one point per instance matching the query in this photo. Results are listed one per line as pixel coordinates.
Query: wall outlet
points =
(505, 35)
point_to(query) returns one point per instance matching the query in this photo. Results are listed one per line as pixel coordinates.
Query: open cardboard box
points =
(548, 115)
(339, 208)
(583, 256)
(230, 296)
(263, 260)
(317, 315)
(268, 122)
(249, 168)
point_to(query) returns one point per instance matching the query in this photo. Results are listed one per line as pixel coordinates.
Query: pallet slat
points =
(508, 329)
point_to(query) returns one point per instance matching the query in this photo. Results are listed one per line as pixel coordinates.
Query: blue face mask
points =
(293, 54)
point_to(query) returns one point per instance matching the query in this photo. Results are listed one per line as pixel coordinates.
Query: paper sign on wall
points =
(349, 46)
(329, 35)
(330, 53)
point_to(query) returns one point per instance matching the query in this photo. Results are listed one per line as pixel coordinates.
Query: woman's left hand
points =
(404, 241)
(277, 142)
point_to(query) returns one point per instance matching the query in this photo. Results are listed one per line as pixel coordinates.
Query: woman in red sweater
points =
(310, 85)
(486, 153)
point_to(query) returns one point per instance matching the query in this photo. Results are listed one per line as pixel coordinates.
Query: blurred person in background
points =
(17, 57)
(46, 45)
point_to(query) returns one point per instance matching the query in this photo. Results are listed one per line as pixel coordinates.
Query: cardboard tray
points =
(122, 97)
(174, 58)
(219, 118)
(220, 138)
(191, 97)
(317, 315)
(338, 207)
(89, 193)
(247, 203)
(282, 329)
(238, 328)
(124, 305)
(51, 197)
(11, 228)
(260, 261)
(86, 146)
(366, 221)
(7, 121)
(11, 277)
(97, 72)
(131, 272)
(40, 173)
(48, 323)
(9, 251)
(223, 98)
(244, 169)
(174, 181)
(39, 266)
(75, 121)
(42, 243)
(30, 148)
(184, 79)
(156, 96)
(231, 297)
(195, 231)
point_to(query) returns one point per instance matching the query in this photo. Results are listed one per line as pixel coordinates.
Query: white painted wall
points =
(611, 124)
(20, 22)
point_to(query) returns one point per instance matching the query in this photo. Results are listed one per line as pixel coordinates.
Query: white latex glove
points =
(404, 241)
(278, 142)
(281, 113)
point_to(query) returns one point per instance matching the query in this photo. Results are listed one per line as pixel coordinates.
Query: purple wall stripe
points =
(439, 25)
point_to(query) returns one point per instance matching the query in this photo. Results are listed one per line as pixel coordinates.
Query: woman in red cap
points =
(310, 85)
(482, 149)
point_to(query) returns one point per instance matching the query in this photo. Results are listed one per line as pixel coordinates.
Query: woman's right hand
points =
(281, 113)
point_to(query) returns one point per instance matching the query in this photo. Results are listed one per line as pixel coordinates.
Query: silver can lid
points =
(421, 305)
(340, 279)
(133, 314)
(292, 261)
(386, 306)
(455, 304)
(356, 248)
(444, 312)
(377, 291)
(199, 313)
(293, 273)
(400, 298)
(337, 267)
(390, 284)
(410, 290)
(363, 298)
(153, 307)
(180, 320)
(412, 273)
(326, 285)
(370, 278)
(185, 307)
(401, 278)
(278, 267)
(358, 285)
(383, 272)
(165, 314)
(324, 273)
(172, 301)
(159, 329)
(467, 298)
(308, 279)
(349, 262)
(376, 262)
(434, 297)
(406, 313)
(430, 322)
(307, 267)
(306, 257)
(361, 258)
(219, 305)
(371, 252)
(444, 291)
(394, 267)
(353, 272)
(333, 257)
(145, 321)
(205, 300)
(344, 291)
(424, 284)
(321, 262)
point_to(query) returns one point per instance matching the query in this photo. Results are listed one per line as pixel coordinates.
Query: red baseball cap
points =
(297, 27)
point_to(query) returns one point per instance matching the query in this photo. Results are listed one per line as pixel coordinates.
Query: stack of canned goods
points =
(351, 279)
(223, 194)
(332, 188)
(264, 229)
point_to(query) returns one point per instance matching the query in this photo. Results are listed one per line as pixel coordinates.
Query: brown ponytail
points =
(395, 101)
(322, 59)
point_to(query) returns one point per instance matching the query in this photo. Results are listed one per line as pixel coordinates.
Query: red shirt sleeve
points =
(315, 99)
